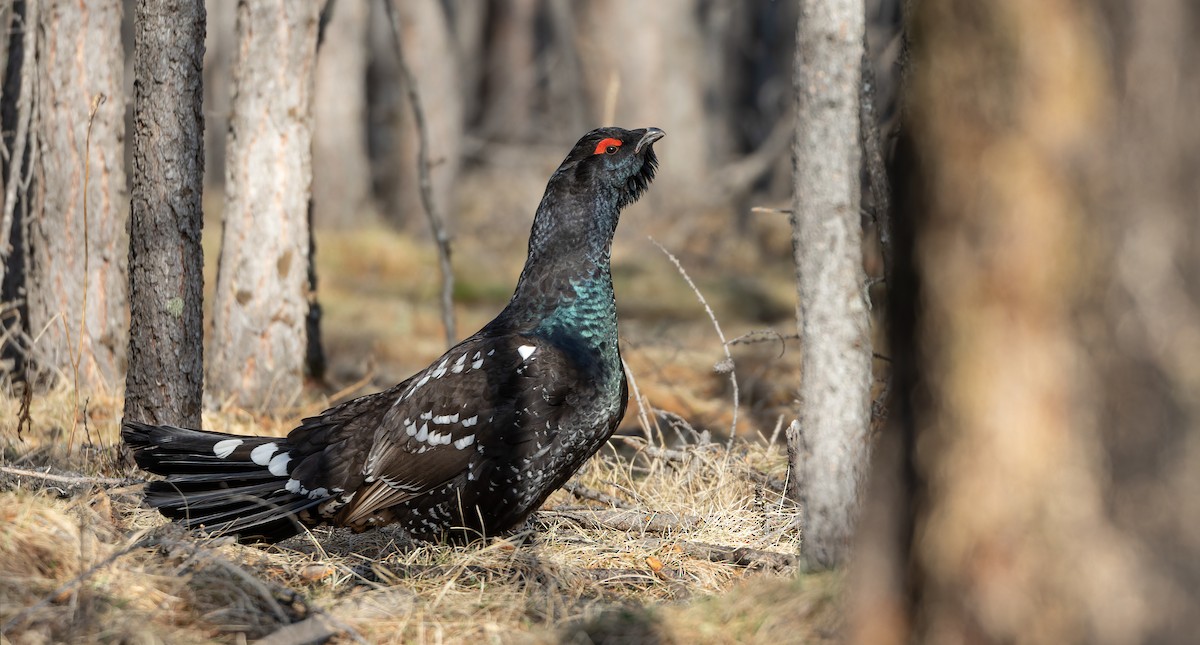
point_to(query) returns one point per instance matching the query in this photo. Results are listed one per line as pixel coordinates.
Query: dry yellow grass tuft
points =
(81, 561)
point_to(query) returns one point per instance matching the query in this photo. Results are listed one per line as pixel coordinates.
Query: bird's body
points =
(475, 442)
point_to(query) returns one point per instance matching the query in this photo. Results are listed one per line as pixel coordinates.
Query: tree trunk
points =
(76, 279)
(1046, 255)
(510, 70)
(341, 190)
(430, 50)
(645, 64)
(261, 301)
(166, 334)
(828, 443)
(16, 113)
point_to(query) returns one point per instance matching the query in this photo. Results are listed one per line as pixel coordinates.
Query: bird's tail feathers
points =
(224, 483)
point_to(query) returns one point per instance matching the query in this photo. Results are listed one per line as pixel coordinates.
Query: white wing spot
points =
(459, 364)
(292, 486)
(477, 361)
(424, 433)
(262, 454)
(278, 465)
(317, 493)
(427, 415)
(445, 419)
(467, 423)
(464, 442)
(526, 351)
(441, 369)
(224, 448)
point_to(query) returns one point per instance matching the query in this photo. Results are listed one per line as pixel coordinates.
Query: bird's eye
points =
(607, 146)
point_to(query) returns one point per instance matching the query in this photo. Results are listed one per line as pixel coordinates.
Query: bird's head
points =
(613, 159)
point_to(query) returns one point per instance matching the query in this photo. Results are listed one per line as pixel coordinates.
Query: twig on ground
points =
(73, 480)
(436, 223)
(725, 366)
(630, 520)
(584, 492)
(741, 556)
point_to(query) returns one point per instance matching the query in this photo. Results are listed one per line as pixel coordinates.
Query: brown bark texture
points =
(76, 278)
(166, 354)
(1050, 459)
(261, 300)
(828, 443)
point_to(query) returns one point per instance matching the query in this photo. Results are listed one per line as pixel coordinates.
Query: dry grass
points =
(81, 562)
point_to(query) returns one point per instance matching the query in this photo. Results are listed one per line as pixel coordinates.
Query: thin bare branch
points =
(727, 365)
(436, 223)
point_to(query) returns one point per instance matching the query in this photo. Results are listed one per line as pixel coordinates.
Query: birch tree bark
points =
(828, 442)
(261, 300)
(76, 281)
(166, 278)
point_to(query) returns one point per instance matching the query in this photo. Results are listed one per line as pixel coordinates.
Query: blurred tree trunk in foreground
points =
(1038, 481)
(261, 300)
(828, 443)
(75, 269)
(341, 188)
(166, 278)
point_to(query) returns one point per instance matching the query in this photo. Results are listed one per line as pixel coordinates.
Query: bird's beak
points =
(652, 135)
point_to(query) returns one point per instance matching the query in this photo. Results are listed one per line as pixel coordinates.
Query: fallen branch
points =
(73, 480)
(741, 556)
(315, 629)
(630, 521)
(585, 492)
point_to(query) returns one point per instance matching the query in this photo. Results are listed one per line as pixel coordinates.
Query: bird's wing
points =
(488, 398)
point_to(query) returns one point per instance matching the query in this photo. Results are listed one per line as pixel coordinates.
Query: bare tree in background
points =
(76, 281)
(431, 52)
(16, 115)
(166, 367)
(341, 189)
(658, 75)
(829, 443)
(1047, 456)
(261, 301)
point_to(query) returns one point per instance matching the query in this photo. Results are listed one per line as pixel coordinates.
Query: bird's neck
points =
(567, 279)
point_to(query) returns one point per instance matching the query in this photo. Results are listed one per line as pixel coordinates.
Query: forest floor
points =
(675, 533)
